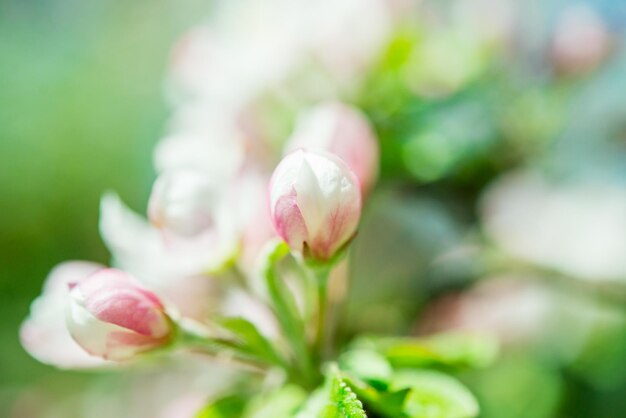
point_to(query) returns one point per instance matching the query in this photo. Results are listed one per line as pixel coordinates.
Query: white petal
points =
(310, 197)
(44, 333)
(68, 272)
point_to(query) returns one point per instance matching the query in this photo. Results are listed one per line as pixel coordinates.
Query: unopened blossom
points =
(315, 203)
(186, 203)
(342, 130)
(44, 333)
(113, 317)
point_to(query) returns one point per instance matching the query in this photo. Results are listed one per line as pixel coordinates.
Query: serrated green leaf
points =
(343, 401)
(434, 395)
(231, 406)
(334, 400)
(249, 340)
(387, 403)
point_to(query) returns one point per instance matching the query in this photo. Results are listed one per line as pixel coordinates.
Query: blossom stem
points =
(239, 277)
(288, 316)
(196, 342)
(322, 340)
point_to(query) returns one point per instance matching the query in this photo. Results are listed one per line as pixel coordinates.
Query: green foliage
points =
(286, 310)
(230, 406)
(280, 404)
(522, 386)
(410, 393)
(452, 349)
(367, 365)
(434, 395)
(386, 403)
(248, 340)
(343, 403)
(335, 399)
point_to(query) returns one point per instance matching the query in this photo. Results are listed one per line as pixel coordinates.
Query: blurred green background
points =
(81, 106)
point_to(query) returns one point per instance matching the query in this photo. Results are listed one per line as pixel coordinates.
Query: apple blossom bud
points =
(185, 202)
(344, 131)
(113, 317)
(315, 203)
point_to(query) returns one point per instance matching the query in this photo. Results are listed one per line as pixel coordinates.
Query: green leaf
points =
(313, 407)
(367, 365)
(231, 406)
(334, 400)
(285, 308)
(531, 389)
(280, 404)
(343, 401)
(453, 349)
(387, 403)
(434, 395)
(250, 341)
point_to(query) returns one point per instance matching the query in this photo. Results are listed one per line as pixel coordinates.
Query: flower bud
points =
(112, 317)
(184, 202)
(342, 130)
(315, 203)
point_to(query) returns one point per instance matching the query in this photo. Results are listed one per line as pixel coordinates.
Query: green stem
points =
(321, 339)
(288, 316)
(239, 277)
(201, 344)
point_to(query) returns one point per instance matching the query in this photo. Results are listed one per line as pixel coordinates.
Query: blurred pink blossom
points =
(514, 309)
(344, 131)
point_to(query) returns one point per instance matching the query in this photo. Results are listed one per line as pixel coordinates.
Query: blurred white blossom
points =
(576, 228)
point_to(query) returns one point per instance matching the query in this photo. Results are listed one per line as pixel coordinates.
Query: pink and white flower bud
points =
(315, 203)
(113, 317)
(342, 130)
